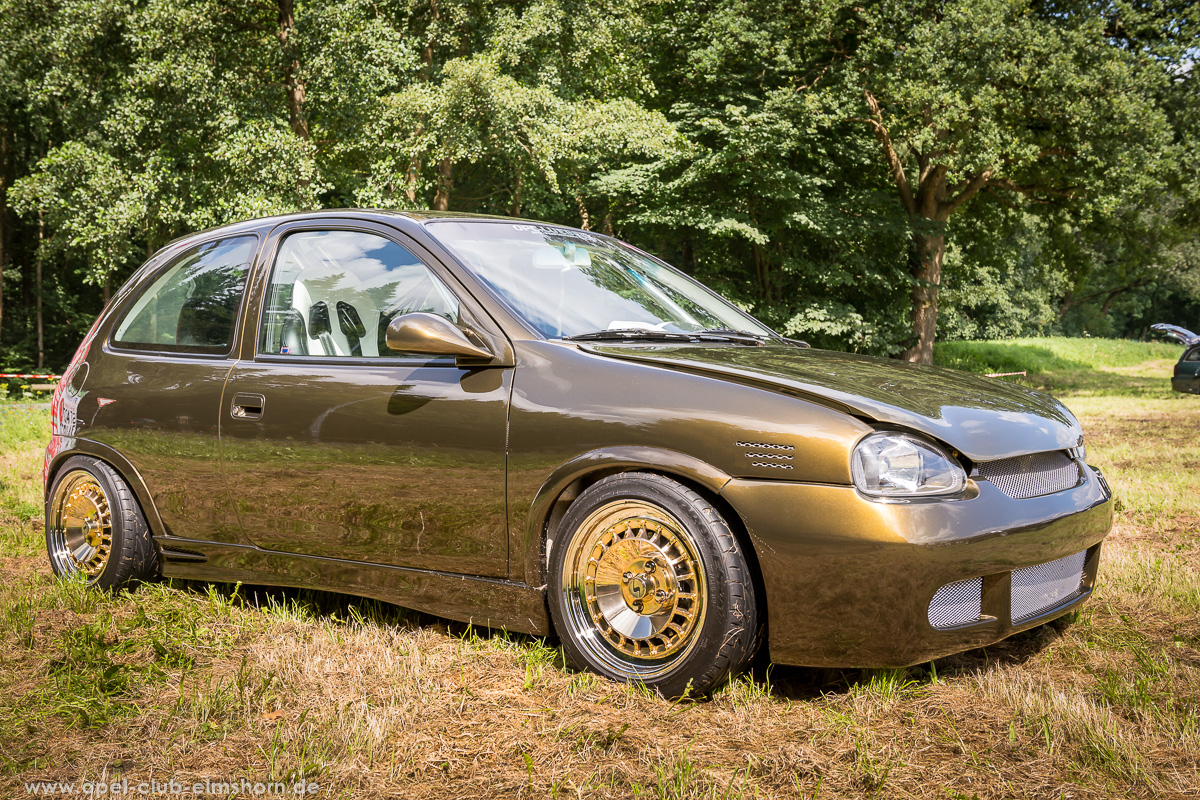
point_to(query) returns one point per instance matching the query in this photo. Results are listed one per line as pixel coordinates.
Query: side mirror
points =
(422, 332)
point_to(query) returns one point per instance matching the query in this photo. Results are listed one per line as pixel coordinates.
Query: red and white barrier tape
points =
(26, 375)
(1004, 374)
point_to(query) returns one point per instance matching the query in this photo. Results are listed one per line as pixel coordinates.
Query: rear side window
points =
(192, 307)
(1192, 355)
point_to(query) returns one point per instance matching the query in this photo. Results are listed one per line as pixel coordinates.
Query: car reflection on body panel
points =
(535, 427)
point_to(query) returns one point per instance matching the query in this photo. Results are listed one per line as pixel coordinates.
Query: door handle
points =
(247, 406)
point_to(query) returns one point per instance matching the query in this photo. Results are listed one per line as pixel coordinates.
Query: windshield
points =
(566, 282)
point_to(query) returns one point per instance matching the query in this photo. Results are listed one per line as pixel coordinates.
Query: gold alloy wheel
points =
(635, 588)
(80, 526)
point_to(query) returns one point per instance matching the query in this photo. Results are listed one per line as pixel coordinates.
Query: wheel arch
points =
(570, 480)
(121, 465)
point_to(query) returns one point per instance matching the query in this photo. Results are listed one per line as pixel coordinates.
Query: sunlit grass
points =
(369, 700)
(1071, 367)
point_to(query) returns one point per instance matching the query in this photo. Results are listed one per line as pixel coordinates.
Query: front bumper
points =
(849, 580)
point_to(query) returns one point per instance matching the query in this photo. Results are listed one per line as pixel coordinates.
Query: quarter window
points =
(333, 293)
(192, 307)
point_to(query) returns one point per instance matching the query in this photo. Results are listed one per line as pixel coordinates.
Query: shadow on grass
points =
(807, 683)
(315, 605)
(780, 681)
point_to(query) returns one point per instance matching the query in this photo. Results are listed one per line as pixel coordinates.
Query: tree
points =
(1037, 103)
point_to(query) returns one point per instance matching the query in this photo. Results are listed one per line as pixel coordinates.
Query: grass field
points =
(190, 682)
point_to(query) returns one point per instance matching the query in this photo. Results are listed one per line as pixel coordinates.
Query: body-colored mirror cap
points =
(429, 334)
(581, 441)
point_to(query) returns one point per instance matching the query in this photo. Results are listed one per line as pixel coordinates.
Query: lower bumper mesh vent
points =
(1032, 475)
(957, 603)
(1045, 586)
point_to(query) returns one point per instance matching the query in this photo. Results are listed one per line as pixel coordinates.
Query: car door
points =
(155, 395)
(336, 446)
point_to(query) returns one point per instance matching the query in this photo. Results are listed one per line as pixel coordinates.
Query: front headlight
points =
(892, 464)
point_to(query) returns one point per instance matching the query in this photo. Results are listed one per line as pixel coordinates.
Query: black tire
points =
(95, 527)
(648, 583)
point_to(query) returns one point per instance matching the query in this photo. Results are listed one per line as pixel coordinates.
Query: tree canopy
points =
(869, 175)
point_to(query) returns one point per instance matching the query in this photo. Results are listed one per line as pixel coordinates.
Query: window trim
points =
(262, 284)
(188, 352)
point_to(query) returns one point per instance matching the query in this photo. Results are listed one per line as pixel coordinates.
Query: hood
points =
(983, 418)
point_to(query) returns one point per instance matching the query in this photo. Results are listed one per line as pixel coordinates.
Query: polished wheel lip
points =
(79, 532)
(599, 597)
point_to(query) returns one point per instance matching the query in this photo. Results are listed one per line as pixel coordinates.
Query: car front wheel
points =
(95, 528)
(649, 584)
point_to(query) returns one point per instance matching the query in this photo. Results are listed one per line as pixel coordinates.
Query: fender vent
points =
(768, 455)
(1032, 475)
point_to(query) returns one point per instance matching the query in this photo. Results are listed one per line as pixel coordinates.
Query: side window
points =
(1192, 355)
(192, 307)
(333, 293)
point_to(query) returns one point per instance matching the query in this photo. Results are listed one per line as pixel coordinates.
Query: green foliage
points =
(738, 139)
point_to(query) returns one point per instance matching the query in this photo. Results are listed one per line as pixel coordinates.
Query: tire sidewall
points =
(722, 612)
(125, 521)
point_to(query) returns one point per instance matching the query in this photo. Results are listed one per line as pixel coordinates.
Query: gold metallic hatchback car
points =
(539, 428)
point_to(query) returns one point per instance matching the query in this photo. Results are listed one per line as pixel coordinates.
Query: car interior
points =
(334, 293)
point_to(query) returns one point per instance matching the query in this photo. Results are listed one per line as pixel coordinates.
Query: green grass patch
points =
(24, 431)
(1114, 367)
(369, 700)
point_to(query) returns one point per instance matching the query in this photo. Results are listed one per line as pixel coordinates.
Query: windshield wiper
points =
(631, 333)
(730, 335)
(710, 335)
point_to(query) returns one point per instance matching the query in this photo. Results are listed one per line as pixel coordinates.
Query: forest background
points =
(869, 176)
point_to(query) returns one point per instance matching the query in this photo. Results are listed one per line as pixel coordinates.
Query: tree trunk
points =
(441, 200)
(37, 262)
(929, 201)
(292, 85)
(927, 254)
(516, 195)
(410, 181)
(585, 219)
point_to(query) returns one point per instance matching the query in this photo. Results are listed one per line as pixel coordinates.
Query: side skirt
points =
(488, 602)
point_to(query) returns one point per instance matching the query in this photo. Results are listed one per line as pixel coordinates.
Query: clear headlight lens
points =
(892, 464)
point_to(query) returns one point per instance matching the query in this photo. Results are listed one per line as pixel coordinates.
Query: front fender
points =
(598, 463)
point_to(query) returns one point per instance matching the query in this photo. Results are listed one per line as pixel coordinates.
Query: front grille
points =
(957, 603)
(1032, 475)
(1045, 586)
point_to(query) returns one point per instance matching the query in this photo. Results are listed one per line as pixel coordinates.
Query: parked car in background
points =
(1186, 377)
(539, 428)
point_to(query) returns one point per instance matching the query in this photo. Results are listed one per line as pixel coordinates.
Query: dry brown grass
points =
(181, 680)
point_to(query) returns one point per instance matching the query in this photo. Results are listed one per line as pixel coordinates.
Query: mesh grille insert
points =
(1045, 586)
(1032, 475)
(956, 603)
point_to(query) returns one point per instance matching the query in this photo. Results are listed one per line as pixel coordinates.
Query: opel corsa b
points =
(539, 428)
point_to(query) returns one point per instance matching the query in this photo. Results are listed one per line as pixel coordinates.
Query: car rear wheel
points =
(95, 528)
(650, 584)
